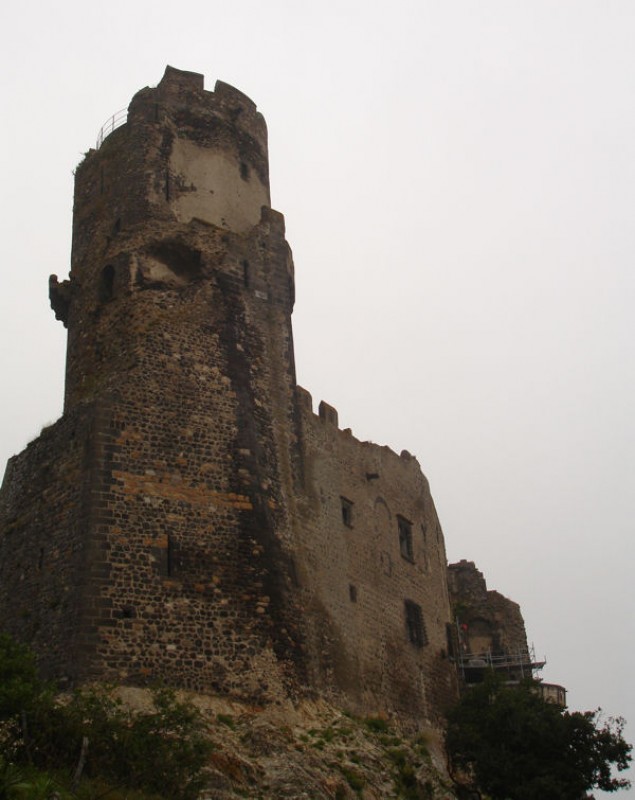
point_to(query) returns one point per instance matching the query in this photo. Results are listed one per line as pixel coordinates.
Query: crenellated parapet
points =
(189, 153)
(329, 415)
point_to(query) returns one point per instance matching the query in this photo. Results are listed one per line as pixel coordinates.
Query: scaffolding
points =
(515, 665)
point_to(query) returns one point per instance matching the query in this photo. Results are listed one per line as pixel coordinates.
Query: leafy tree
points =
(163, 751)
(511, 744)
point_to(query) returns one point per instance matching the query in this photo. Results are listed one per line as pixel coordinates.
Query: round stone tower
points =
(178, 311)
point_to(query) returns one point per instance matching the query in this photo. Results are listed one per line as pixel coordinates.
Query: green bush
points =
(163, 751)
(354, 779)
(377, 724)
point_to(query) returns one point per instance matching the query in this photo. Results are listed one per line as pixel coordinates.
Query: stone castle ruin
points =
(189, 518)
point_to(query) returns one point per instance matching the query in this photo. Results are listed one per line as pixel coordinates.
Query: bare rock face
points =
(312, 750)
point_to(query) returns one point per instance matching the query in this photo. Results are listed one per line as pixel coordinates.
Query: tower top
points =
(181, 181)
(188, 153)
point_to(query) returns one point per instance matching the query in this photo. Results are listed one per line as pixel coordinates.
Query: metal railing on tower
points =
(116, 121)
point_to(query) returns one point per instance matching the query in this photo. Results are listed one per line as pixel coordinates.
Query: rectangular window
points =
(414, 624)
(405, 538)
(347, 512)
(169, 557)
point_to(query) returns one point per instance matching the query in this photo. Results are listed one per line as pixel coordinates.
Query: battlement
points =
(329, 416)
(182, 154)
(179, 89)
(181, 81)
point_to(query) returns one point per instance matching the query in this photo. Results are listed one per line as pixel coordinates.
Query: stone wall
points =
(488, 621)
(190, 519)
(371, 545)
(45, 506)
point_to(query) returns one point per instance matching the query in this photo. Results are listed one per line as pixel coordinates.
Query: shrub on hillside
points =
(163, 750)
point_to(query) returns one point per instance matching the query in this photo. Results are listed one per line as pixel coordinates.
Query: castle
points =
(190, 518)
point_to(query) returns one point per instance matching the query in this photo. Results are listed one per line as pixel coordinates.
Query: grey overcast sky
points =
(458, 181)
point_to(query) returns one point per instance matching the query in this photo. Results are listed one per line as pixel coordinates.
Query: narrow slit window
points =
(169, 558)
(347, 512)
(405, 538)
(107, 283)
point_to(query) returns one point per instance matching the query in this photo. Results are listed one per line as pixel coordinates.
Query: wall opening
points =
(107, 283)
(414, 624)
(169, 558)
(347, 512)
(405, 538)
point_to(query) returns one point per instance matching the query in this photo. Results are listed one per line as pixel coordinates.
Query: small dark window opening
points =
(117, 226)
(128, 612)
(405, 538)
(246, 276)
(414, 624)
(347, 512)
(352, 592)
(170, 558)
(107, 283)
(244, 171)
